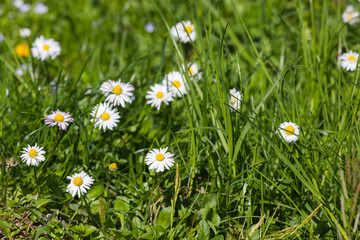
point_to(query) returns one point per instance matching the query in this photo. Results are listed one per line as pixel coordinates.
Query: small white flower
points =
(158, 159)
(157, 95)
(20, 71)
(1, 37)
(18, 3)
(58, 118)
(79, 183)
(184, 31)
(41, 8)
(24, 32)
(235, 99)
(32, 155)
(176, 83)
(106, 116)
(350, 16)
(117, 92)
(289, 132)
(150, 27)
(349, 60)
(44, 49)
(193, 70)
(21, 6)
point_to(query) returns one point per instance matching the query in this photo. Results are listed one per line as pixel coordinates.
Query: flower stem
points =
(37, 183)
(6, 186)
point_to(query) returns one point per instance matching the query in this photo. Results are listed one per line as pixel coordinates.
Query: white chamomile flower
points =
(184, 31)
(350, 16)
(235, 99)
(24, 32)
(32, 155)
(44, 49)
(58, 118)
(289, 132)
(79, 183)
(106, 116)
(158, 159)
(41, 8)
(349, 60)
(158, 94)
(117, 92)
(176, 83)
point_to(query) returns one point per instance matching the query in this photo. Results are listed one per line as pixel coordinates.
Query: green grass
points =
(233, 177)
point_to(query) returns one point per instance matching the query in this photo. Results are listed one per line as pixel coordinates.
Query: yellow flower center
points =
(105, 116)
(349, 16)
(113, 167)
(188, 29)
(32, 153)
(59, 118)
(159, 95)
(289, 130)
(190, 71)
(46, 47)
(117, 90)
(177, 83)
(78, 181)
(160, 157)
(233, 100)
(22, 50)
(352, 58)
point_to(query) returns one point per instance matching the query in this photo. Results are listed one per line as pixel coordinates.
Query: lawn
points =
(196, 119)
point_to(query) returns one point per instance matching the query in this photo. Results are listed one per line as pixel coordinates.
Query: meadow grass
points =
(234, 177)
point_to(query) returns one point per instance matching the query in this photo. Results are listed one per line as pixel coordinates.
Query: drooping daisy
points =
(44, 49)
(235, 99)
(176, 83)
(79, 183)
(350, 15)
(58, 118)
(118, 92)
(22, 50)
(40, 8)
(106, 116)
(184, 31)
(157, 95)
(289, 132)
(24, 32)
(158, 159)
(32, 155)
(349, 60)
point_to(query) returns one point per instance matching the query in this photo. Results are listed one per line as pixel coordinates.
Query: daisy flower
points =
(350, 16)
(22, 50)
(44, 49)
(79, 183)
(289, 131)
(158, 94)
(41, 8)
(118, 92)
(193, 70)
(235, 99)
(158, 159)
(184, 31)
(58, 118)
(32, 155)
(24, 32)
(176, 83)
(349, 60)
(105, 116)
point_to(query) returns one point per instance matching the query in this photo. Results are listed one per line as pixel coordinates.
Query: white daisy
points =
(176, 83)
(58, 118)
(350, 16)
(118, 92)
(158, 94)
(158, 159)
(79, 183)
(235, 99)
(32, 155)
(349, 60)
(24, 32)
(184, 31)
(106, 116)
(41, 8)
(289, 132)
(192, 69)
(44, 49)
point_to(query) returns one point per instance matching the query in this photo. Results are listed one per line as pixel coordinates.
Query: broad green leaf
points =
(96, 191)
(204, 230)
(164, 217)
